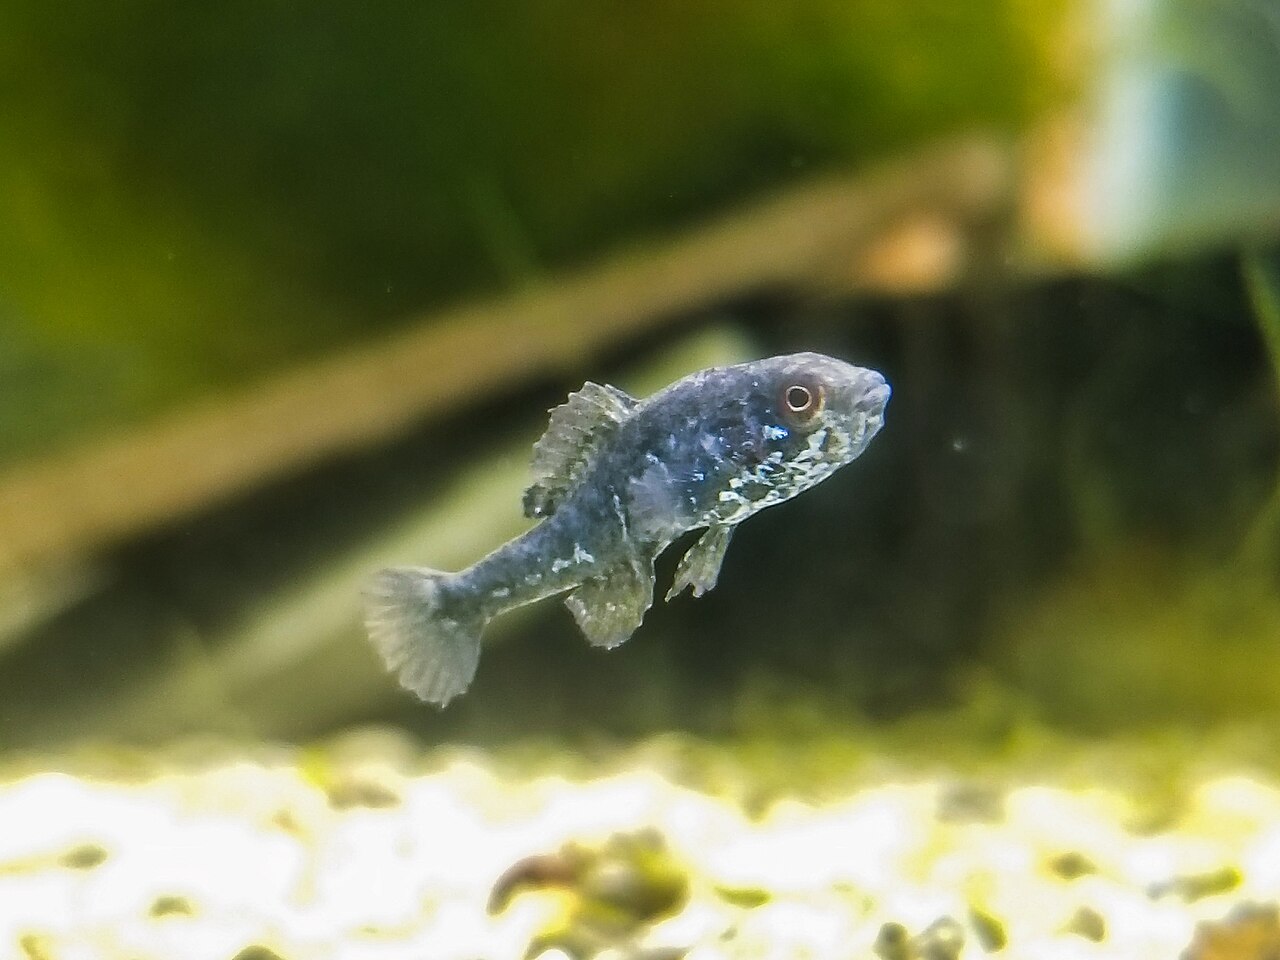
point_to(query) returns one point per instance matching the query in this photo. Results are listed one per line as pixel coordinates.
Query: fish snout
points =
(872, 393)
(870, 396)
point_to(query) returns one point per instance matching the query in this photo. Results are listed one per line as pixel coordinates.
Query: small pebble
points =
(35, 947)
(1088, 923)
(989, 931)
(1197, 886)
(941, 940)
(171, 906)
(257, 951)
(354, 792)
(84, 857)
(893, 942)
(746, 897)
(1072, 865)
(969, 802)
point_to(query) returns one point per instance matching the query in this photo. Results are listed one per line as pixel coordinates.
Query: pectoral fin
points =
(700, 566)
(609, 607)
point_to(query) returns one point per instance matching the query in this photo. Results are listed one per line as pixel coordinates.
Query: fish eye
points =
(802, 402)
(799, 399)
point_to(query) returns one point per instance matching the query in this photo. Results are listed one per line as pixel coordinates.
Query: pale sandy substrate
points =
(376, 853)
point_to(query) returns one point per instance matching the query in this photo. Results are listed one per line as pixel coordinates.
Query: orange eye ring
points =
(802, 402)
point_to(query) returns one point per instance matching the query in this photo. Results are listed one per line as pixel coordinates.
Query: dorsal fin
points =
(574, 432)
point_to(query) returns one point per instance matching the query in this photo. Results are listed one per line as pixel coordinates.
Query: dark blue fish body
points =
(616, 481)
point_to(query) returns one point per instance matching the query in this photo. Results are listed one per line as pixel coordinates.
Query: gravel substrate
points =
(299, 855)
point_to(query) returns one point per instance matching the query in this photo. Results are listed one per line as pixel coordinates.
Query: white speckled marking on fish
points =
(616, 480)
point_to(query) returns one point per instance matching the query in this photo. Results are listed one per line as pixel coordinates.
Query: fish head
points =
(814, 415)
(843, 403)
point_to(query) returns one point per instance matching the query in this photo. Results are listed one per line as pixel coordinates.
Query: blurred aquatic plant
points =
(191, 198)
(1261, 547)
(1185, 146)
(1150, 626)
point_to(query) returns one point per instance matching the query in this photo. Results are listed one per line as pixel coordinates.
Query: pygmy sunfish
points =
(615, 481)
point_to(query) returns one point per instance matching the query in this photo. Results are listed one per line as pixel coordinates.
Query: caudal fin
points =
(432, 651)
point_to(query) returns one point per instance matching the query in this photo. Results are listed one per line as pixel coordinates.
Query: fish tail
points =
(431, 644)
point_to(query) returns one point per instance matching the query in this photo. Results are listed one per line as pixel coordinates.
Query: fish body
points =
(616, 480)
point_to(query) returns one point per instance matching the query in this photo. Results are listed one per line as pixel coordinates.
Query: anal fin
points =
(610, 607)
(699, 568)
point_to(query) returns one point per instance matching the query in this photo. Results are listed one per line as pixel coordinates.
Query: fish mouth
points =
(875, 396)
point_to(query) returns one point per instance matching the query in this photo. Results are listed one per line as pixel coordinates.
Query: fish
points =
(615, 481)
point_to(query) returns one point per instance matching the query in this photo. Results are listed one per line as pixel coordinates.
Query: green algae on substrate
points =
(1132, 641)
(991, 738)
(1146, 633)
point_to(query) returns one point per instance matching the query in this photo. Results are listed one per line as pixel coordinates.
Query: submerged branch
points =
(822, 234)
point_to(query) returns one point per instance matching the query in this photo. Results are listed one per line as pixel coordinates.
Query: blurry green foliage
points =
(1159, 622)
(190, 193)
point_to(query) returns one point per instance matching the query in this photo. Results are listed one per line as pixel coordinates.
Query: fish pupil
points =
(798, 398)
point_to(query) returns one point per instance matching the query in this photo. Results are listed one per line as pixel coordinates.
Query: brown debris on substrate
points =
(1249, 932)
